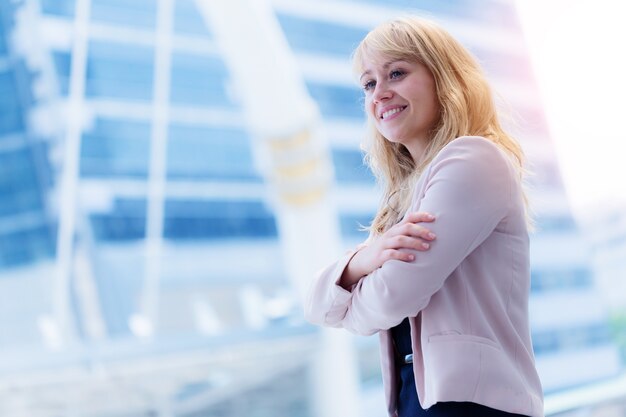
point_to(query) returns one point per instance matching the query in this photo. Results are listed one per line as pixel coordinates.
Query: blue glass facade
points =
(206, 153)
(349, 167)
(62, 8)
(138, 13)
(337, 101)
(188, 220)
(187, 20)
(26, 233)
(575, 338)
(305, 35)
(199, 80)
(114, 148)
(11, 117)
(108, 74)
(221, 220)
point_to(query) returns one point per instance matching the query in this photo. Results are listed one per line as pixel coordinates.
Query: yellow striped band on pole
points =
(294, 141)
(300, 172)
(304, 197)
(301, 169)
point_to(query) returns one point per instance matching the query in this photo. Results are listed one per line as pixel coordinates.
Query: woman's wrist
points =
(352, 273)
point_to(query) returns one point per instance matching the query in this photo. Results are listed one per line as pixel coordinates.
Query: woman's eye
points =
(396, 74)
(369, 85)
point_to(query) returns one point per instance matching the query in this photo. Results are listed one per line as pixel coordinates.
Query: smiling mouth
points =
(391, 112)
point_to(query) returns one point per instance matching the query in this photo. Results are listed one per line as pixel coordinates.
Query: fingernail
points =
(430, 216)
(411, 257)
(431, 235)
(425, 245)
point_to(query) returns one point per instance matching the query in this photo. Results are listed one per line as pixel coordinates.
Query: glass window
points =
(305, 35)
(349, 166)
(62, 64)
(559, 279)
(138, 13)
(25, 246)
(119, 289)
(119, 71)
(19, 187)
(188, 20)
(337, 101)
(63, 8)
(118, 227)
(126, 222)
(574, 338)
(10, 120)
(218, 220)
(116, 148)
(3, 43)
(553, 224)
(199, 80)
(203, 152)
(10, 109)
(188, 220)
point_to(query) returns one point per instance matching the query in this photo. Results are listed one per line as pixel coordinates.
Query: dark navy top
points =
(408, 402)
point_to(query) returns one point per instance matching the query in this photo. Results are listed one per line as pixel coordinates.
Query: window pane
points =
(349, 166)
(116, 148)
(63, 8)
(188, 20)
(19, 187)
(119, 71)
(337, 101)
(202, 152)
(137, 13)
(10, 109)
(199, 80)
(306, 35)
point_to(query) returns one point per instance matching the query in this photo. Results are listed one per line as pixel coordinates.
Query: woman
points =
(452, 312)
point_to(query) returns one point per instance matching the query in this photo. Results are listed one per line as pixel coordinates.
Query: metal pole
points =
(70, 174)
(145, 322)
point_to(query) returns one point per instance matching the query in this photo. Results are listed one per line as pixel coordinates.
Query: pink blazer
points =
(466, 297)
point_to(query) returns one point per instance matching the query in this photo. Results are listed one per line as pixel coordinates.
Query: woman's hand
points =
(407, 234)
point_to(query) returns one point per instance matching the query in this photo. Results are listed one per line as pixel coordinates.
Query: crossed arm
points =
(468, 189)
(393, 244)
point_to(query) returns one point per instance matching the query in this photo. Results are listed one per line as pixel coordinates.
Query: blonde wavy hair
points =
(466, 105)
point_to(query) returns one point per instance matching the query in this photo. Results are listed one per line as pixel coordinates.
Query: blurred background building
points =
(141, 270)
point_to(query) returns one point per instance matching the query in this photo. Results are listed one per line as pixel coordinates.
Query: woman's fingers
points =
(407, 242)
(409, 234)
(415, 230)
(418, 216)
(398, 255)
(410, 227)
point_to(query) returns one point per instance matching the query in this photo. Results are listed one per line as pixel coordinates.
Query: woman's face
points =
(401, 99)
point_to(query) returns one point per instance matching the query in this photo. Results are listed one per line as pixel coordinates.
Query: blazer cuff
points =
(341, 297)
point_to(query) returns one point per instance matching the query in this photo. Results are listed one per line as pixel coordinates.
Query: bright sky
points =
(579, 54)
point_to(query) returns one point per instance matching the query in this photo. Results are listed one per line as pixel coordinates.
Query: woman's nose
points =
(381, 93)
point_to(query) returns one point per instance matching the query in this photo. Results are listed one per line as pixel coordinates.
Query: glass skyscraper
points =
(200, 330)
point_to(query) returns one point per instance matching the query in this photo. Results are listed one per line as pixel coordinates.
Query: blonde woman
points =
(449, 297)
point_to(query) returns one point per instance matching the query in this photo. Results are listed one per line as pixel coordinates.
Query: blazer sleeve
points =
(468, 187)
